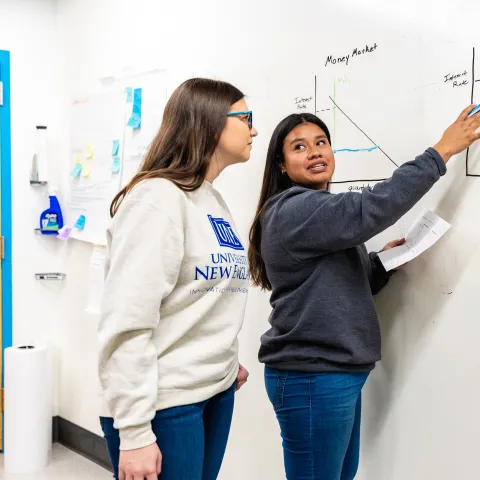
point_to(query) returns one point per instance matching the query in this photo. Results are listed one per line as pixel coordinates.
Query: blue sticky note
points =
(77, 170)
(129, 92)
(136, 117)
(115, 147)
(116, 165)
(80, 223)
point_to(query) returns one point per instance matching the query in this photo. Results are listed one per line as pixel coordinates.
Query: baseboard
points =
(55, 430)
(81, 441)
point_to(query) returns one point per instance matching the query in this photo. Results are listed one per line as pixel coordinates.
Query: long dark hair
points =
(274, 182)
(193, 120)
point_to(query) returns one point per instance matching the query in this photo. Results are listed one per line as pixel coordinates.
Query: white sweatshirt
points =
(174, 300)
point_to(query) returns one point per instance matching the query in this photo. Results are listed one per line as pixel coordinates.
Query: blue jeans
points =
(192, 438)
(319, 416)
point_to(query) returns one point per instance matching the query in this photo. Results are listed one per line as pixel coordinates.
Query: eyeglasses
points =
(248, 117)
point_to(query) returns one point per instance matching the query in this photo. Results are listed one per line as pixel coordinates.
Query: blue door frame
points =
(6, 199)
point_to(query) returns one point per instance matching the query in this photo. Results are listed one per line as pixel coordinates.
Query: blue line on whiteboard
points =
(355, 150)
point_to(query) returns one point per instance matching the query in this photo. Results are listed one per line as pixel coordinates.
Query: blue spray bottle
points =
(51, 220)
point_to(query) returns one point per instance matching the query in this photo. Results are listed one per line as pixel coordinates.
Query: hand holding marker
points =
(474, 111)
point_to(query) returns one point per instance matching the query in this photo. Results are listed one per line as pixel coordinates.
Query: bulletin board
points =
(110, 133)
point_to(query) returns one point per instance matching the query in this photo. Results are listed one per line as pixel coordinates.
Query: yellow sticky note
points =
(87, 168)
(90, 149)
(78, 158)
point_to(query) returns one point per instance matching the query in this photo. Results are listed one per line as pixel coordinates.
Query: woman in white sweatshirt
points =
(175, 292)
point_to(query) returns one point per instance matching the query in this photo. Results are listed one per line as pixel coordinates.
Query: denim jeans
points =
(192, 438)
(319, 417)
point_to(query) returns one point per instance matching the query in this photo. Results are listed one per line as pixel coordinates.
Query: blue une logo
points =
(225, 235)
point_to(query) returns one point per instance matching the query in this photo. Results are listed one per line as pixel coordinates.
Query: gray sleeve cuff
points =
(442, 167)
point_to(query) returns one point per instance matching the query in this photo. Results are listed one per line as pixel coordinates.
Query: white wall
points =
(411, 429)
(28, 31)
(420, 414)
(103, 39)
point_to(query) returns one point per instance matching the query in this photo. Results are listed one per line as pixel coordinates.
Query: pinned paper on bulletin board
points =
(77, 170)
(99, 132)
(64, 233)
(135, 120)
(80, 223)
(90, 151)
(137, 141)
(129, 92)
(98, 127)
(116, 165)
(87, 168)
(115, 147)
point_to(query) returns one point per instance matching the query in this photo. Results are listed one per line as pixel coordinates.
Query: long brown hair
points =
(193, 120)
(274, 182)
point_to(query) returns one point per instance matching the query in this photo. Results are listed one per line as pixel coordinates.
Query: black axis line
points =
(471, 102)
(471, 99)
(357, 181)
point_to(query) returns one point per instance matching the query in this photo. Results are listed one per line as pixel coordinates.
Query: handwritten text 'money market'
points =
(346, 58)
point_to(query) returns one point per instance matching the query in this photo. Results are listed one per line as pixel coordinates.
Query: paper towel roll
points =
(28, 409)
(42, 158)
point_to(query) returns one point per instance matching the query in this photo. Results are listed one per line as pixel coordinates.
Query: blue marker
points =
(474, 111)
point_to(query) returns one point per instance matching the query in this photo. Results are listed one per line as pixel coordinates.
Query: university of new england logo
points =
(225, 235)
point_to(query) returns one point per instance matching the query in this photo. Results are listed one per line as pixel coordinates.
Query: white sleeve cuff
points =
(133, 438)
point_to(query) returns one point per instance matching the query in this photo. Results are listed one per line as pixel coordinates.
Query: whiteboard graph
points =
(352, 148)
(359, 158)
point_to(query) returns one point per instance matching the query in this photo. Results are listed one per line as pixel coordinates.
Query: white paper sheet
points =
(137, 141)
(98, 124)
(96, 283)
(423, 234)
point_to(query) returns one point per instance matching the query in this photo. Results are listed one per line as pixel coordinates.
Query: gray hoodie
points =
(323, 280)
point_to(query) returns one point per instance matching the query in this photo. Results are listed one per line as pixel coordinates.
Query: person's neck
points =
(215, 168)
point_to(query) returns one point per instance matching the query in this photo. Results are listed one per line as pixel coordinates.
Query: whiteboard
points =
(413, 427)
(108, 149)
(360, 89)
